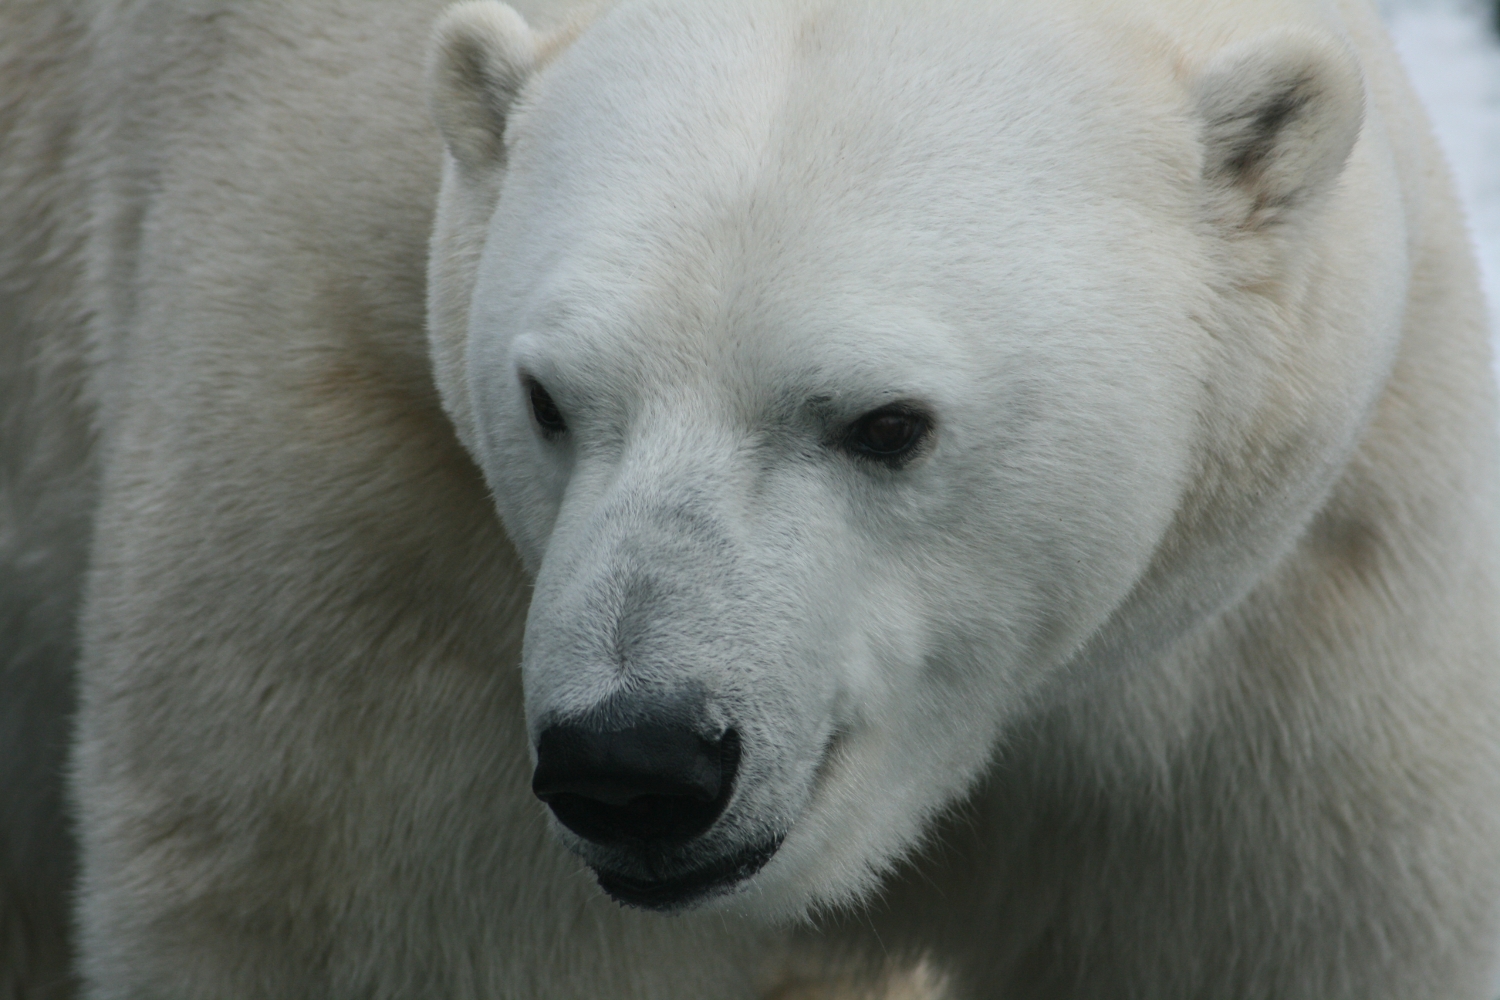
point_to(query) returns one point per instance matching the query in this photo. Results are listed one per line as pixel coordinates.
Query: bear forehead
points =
(720, 103)
(686, 164)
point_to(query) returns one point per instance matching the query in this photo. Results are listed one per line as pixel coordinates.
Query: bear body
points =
(1046, 452)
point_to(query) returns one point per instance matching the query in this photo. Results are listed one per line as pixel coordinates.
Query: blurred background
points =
(1452, 50)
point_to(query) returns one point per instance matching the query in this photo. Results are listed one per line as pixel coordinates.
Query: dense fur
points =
(1165, 667)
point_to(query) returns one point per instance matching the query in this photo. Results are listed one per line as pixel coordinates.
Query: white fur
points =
(1167, 668)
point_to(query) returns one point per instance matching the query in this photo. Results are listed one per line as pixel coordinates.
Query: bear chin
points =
(684, 890)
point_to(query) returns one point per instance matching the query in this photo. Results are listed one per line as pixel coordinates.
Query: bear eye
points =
(889, 434)
(544, 411)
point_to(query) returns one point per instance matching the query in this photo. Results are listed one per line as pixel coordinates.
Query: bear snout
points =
(649, 784)
(647, 799)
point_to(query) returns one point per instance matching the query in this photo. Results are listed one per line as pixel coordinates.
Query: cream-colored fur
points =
(1230, 730)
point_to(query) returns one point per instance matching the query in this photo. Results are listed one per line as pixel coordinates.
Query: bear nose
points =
(644, 783)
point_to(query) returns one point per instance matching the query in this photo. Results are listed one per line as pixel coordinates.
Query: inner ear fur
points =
(1279, 116)
(482, 53)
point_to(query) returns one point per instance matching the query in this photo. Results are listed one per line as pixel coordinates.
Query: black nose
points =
(647, 782)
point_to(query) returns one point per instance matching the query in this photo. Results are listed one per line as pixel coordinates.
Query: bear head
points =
(859, 380)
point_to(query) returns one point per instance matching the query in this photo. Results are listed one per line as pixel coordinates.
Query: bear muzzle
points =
(643, 796)
(643, 785)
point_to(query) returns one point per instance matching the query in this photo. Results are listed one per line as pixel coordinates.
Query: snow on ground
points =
(1452, 51)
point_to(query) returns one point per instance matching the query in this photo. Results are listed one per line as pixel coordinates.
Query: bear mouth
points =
(679, 892)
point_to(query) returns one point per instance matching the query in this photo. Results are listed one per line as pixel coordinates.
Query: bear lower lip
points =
(681, 891)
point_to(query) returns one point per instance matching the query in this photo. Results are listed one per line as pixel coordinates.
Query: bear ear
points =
(1279, 116)
(482, 54)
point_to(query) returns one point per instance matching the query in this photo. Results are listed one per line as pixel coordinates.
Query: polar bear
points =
(873, 499)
